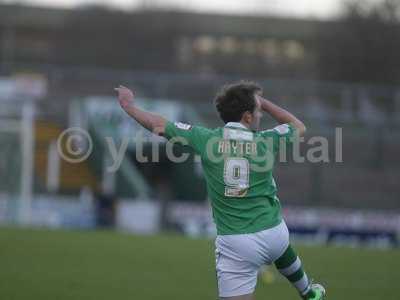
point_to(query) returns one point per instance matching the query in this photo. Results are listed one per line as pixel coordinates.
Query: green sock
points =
(289, 265)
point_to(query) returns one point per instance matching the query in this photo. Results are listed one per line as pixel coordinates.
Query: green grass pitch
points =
(43, 264)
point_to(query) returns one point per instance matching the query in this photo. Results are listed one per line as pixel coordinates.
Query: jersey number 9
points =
(236, 177)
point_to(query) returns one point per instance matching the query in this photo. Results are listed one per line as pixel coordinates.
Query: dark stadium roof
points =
(184, 22)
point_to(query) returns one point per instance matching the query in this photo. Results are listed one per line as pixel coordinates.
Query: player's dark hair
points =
(233, 100)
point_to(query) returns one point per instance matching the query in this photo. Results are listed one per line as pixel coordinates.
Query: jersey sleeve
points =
(284, 133)
(195, 137)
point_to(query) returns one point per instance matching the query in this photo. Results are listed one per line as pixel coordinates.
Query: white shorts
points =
(240, 256)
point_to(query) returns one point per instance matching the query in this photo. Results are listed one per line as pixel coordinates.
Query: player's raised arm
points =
(281, 115)
(148, 120)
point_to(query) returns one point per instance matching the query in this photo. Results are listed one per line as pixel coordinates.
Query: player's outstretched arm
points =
(148, 120)
(282, 116)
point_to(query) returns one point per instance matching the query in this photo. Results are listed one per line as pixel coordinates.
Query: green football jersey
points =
(237, 164)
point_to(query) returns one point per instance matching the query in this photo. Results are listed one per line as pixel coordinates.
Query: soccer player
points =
(238, 160)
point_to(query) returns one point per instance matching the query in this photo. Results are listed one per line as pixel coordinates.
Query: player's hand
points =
(125, 97)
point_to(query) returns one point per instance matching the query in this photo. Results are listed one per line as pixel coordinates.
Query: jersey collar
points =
(236, 125)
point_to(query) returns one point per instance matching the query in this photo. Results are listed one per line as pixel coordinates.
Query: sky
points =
(323, 9)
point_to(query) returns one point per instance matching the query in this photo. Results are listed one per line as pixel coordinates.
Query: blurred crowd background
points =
(58, 68)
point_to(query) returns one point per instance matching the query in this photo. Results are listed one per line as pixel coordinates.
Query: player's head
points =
(238, 103)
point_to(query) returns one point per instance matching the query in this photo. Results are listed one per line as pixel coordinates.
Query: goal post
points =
(17, 160)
